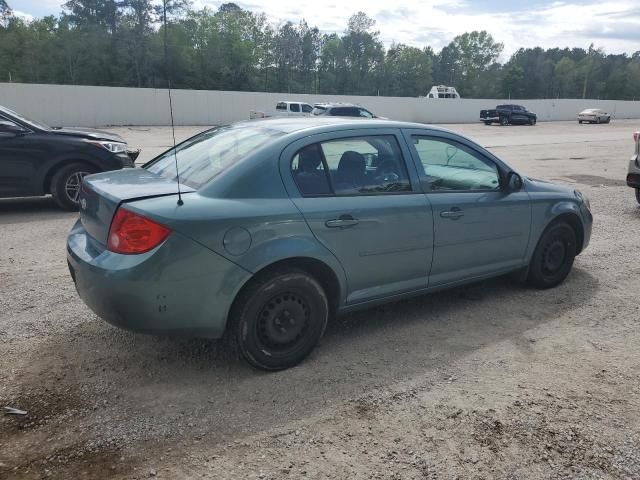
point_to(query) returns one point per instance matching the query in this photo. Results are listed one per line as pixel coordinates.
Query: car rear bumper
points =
(178, 288)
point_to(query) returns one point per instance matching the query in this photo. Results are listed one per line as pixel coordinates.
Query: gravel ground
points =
(494, 380)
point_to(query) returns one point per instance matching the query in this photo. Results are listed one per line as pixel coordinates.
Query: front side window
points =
(366, 165)
(294, 107)
(307, 108)
(365, 113)
(205, 156)
(450, 166)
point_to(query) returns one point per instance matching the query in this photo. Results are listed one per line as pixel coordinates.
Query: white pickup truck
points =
(284, 109)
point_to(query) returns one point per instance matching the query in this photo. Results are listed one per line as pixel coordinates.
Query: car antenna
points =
(173, 128)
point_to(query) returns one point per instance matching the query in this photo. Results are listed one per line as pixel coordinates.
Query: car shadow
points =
(166, 383)
(24, 210)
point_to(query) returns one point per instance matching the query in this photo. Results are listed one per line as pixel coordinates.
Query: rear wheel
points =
(487, 123)
(278, 319)
(598, 120)
(580, 122)
(66, 183)
(504, 121)
(553, 258)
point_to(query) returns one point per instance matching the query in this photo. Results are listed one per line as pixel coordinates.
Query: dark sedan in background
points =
(36, 159)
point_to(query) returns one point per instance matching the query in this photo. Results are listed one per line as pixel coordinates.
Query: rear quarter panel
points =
(253, 233)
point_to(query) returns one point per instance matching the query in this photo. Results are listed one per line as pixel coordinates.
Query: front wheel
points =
(279, 318)
(553, 257)
(580, 122)
(638, 195)
(487, 123)
(66, 183)
(532, 121)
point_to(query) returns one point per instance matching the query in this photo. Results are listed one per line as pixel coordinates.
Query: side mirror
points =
(514, 182)
(11, 129)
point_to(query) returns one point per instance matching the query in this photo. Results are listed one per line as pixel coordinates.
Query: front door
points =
(480, 228)
(364, 205)
(16, 162)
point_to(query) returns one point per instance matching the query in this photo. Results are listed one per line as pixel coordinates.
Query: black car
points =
(36, 159)
(508, 115)
(342, 110)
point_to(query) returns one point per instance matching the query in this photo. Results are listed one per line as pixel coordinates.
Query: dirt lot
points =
(491, 381)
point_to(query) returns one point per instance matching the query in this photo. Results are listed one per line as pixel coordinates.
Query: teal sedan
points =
(263, 230)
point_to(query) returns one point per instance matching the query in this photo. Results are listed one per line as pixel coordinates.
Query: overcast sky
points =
(613, 25)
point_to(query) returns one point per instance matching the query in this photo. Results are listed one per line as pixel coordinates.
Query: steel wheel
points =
(278, 318)
(283, 321)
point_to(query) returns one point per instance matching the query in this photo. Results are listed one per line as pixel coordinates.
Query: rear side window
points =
(345, 112)
(295, 107)
(205, 156)
(366, 165)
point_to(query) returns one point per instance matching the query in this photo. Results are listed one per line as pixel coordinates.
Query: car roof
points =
(317, 124)
(336, 104)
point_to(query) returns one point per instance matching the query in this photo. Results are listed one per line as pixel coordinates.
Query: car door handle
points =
(453, 214)
(342, 221)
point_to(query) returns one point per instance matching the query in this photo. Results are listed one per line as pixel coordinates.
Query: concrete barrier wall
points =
(67, 105)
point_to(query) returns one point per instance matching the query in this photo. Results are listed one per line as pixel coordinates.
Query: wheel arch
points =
(574, 222)
(51, 171)
(318, 269)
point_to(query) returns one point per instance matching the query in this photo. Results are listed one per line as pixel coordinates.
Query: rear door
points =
(363, 202)
(480, 229)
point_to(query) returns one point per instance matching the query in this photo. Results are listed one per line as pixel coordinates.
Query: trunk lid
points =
(102, 194)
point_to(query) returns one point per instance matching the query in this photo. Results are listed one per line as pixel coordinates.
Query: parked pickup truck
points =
(284, 109)
(508, 114)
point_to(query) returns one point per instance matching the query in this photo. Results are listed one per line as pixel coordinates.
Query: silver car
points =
(594, 115)
(633, 177)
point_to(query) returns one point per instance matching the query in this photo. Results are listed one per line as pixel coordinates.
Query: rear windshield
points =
(204, 156)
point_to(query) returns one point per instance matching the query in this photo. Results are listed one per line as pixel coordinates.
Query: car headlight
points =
(583, 198)
(113, 147)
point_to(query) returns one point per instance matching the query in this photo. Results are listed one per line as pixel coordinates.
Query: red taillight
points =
(131, 233)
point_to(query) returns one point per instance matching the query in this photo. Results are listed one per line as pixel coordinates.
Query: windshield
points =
(23, 119)
(205, 156)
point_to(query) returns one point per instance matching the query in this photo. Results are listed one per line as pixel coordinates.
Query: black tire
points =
(580, 122)
(504, 121)
(65, 185)
(598, 120)
(279, 318)
(553, 257)
(638, 195)
(487, 123)
(532, 121)
(608, 120)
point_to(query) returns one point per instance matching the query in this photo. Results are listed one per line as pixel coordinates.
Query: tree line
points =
(121, 43)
